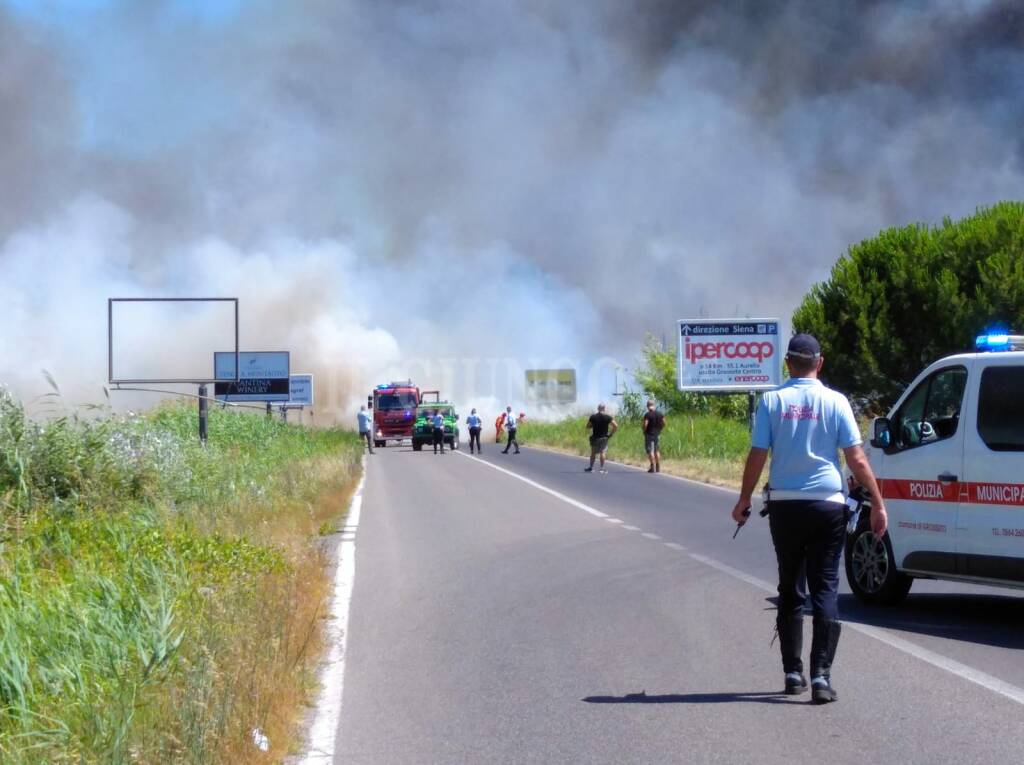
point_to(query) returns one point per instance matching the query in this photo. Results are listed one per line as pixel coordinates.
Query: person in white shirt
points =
(366, 427)
(511, 426)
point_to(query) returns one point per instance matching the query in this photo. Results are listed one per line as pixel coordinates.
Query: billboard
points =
(261, 376)
(729, 355)
(301, 390)
(551, 386)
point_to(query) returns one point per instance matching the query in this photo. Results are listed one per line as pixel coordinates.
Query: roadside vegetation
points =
(706, 437)
(704, 447)
(159, 600)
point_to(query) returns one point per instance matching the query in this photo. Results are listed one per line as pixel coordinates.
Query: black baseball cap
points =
(803, 346)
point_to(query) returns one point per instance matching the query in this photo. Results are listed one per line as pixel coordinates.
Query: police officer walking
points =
(437, 421)
(475, 424)
(365, 427)
(804, 425)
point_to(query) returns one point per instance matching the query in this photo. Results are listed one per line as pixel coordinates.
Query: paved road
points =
(495, 622)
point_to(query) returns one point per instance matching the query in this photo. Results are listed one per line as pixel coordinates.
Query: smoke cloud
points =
(458, 190)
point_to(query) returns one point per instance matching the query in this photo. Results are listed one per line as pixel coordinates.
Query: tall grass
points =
(159, 600)
(703, 447)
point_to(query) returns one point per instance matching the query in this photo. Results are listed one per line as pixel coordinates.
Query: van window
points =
(1001, 409)
(932, 411)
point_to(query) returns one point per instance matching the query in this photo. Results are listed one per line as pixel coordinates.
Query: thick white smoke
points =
(458, 190)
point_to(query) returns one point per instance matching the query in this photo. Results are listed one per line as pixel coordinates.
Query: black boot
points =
(791, 643)
(823, 651)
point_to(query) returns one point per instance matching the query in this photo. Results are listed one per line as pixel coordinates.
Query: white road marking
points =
(674, 546)
(324, 731)
(734, 492)
(613, 520)
(540, 487)
(649, 535)
(631, 528)
(890, 639)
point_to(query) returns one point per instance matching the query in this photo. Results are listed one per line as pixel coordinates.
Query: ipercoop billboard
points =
(729, 355)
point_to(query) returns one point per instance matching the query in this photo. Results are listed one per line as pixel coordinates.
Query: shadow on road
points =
(995, 620)
(759, 697)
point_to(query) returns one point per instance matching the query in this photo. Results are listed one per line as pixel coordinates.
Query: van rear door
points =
(991, 536)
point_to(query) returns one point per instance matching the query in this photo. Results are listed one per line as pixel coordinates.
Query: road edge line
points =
(323, 732)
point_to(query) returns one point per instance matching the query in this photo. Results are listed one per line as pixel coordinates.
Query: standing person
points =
(475, 424)
(437, 421)
(365, 427)
(805, 424)
(511, 426)
(653, 424)
(499, 426)
(602, 427)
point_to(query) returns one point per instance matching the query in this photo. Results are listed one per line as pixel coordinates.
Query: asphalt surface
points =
(493, 622)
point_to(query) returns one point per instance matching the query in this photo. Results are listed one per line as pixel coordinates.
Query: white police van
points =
(949, 460)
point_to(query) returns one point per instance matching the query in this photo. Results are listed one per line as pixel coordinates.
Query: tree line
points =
(892, 305)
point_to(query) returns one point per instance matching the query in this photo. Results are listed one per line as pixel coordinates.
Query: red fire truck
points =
(394, 411)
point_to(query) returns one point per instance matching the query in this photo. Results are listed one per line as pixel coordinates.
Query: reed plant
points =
(161, 600)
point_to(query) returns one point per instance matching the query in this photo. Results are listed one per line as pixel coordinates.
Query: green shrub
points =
(137, 571)
(896, 303)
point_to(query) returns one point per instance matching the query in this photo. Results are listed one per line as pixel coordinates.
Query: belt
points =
(782, 495)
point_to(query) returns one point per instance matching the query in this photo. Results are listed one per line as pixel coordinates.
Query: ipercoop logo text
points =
(754, 350)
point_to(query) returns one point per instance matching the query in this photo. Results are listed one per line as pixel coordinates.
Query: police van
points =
(949, 459)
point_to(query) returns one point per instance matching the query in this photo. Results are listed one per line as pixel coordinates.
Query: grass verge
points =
(160, 600)
(702, 447)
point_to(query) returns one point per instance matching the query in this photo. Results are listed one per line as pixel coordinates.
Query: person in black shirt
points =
(601, 426)
(653, 424)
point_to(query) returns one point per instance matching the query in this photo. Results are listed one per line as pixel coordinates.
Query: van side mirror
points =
(456, 417)
(881, 433)
(369, 402)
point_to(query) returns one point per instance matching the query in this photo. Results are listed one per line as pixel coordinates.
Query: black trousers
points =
(808, 534)
(474, 438)
(369, 440)
(512, 440)
(438, 439)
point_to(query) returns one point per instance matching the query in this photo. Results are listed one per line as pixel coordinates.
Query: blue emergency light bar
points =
(999, 342)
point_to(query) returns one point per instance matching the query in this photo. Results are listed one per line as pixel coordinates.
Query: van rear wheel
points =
(871, 567)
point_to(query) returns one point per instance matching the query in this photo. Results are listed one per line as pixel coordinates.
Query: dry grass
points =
(160, 600)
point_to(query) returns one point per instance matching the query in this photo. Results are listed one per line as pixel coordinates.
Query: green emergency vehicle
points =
(423, 430)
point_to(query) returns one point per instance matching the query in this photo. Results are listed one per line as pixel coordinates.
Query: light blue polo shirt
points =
(474, 421)
(364, 421)
(805, 425)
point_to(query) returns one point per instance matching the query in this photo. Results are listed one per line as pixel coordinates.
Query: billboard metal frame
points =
(163, 381)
